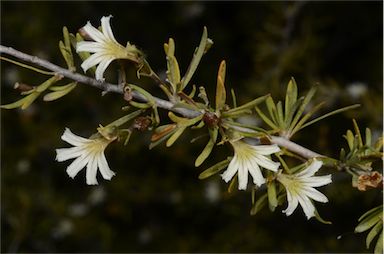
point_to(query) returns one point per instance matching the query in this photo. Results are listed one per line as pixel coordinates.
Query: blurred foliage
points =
(156, 202)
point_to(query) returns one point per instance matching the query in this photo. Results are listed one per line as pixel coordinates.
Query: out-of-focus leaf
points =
(260, 203)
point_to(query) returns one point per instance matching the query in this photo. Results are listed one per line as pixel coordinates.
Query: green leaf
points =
(370, 212)
(232, 184)
(290, 97)
(220, 87)
(271, 106)
(373, 233)
(122, 120)
(195, 60)
(330, 114)
(379, 245)
(208, 148)
(260, 203)
(20, 102)
(350, 139)
(48, 83)
(357, 131)
(272, 196)
(300, 111)
(175, 136)
(368, 137)
(66, 51)
(60, 93)
(160, 140)
(368, 222)
(215, 169)
(247, 106)
(181, 121)
(280, 116)
(234, 103)
(300, 124)
(173, 72)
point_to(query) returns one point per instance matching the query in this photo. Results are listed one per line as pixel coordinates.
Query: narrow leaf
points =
(208, 148)
(368, 137)
(247, 106)
(357, 130)
(300, 111)
(368, 222)
(330, 114)
(214, 169)
(220, 87)
(379, 244)
(266, 119)
(272, 196)
(175, 136)
(195, 60)
(58, 94)
(260, 203)
(290, 97)
(271, 106)
(373, 233)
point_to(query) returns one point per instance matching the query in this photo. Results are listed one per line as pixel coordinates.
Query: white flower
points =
(250, 158)
(300, 188)
(88, 152)
(105, 48)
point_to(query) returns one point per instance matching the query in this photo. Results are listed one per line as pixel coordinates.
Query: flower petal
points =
(107, 30)
(93, 60)
(231, 170)
(255, 172)
(94, 33)
(311, 169)
(101, 68)
(88, 46)
(292, 204)
(77, 165)
(63, 154)
(317, 181)
(266, 163)
(92, 171)
(243, 175)
(105, 171)
(73, 139)
(315, 195)
(306, 204)
(266, 149)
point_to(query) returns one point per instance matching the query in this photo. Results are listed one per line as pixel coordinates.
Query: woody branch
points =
(108, 87)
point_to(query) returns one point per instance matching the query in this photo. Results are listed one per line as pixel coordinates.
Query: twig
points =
(108, 87)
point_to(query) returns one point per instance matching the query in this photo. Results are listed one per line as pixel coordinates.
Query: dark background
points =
(155, 203)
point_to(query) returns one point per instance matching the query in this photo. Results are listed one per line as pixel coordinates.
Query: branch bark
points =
(108, 87)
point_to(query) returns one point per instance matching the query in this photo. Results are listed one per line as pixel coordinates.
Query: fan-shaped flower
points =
(300, 188)
(105, 48)
(249, 158)
(89, 153)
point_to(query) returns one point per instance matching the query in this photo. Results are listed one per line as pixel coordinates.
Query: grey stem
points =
(108, 87)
